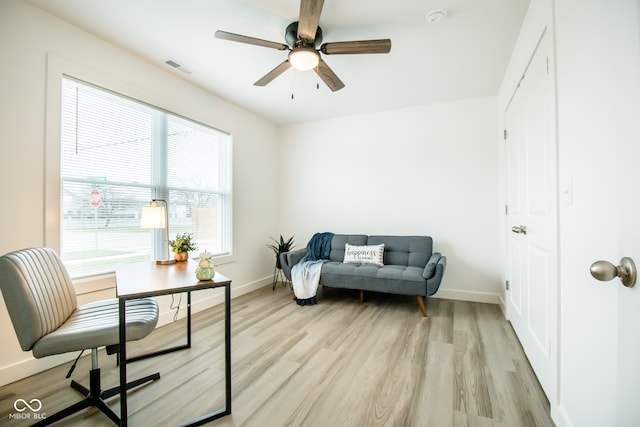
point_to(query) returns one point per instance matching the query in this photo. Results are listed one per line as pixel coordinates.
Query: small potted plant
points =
(279, 247)
(182, 245)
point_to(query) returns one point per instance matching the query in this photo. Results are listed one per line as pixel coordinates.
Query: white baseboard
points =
(460, 295)
(31, 366)
(503, 306)
(559, 416)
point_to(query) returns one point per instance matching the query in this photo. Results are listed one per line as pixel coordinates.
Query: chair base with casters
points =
(42, 305)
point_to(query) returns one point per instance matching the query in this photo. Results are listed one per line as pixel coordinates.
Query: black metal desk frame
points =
(193, 285)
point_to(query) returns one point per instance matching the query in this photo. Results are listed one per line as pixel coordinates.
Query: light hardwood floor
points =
(338, 363)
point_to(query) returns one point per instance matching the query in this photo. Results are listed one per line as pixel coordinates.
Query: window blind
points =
(116, 155)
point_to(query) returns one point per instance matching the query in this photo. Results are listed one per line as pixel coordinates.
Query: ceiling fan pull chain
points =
(293, 72)
(317, 81)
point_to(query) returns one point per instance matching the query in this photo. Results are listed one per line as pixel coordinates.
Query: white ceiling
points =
(464, 56)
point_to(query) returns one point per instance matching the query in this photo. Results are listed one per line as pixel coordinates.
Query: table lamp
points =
(156, 216)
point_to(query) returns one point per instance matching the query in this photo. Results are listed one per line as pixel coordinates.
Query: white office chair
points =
(42, 304)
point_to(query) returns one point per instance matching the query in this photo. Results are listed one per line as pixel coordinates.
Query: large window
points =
(117, 155)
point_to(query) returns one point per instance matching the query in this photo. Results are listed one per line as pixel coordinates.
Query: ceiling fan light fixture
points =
(304, 58)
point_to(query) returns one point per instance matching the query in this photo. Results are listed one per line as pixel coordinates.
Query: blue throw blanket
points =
(305, 275)
(318, 247)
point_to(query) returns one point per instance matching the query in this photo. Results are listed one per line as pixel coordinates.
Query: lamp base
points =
(165, 261)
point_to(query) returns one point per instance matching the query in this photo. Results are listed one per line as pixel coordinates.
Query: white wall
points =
(429, 170)
(35, 47)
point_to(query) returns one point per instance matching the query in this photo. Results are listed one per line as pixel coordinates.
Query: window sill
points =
(227, 259)
(90, 285)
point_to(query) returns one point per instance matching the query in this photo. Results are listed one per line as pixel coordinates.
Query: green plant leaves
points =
(280, 246)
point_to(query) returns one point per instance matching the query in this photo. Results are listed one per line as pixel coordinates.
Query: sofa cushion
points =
(338, 242)
(364, 254)
(396, 272)
(412, 251)
(393, 279)
(346, 270)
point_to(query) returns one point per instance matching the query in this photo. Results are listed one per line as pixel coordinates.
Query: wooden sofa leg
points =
(361, 296)
(421, 304)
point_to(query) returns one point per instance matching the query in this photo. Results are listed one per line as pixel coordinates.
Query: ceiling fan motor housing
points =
(291, 37)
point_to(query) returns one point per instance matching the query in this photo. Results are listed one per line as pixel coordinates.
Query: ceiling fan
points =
(304, 41)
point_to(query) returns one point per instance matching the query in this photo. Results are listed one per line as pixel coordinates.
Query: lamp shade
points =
(153, 217)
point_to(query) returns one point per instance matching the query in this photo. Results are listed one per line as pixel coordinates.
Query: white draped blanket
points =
(305, 277)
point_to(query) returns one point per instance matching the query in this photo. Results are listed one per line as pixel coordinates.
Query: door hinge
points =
(504, 134)
(506, 209)
(506, 282)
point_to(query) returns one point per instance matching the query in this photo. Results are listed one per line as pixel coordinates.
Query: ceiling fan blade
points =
(250, 40)
(284, 66)
(328, 76)
(309, 19)
(355, 47)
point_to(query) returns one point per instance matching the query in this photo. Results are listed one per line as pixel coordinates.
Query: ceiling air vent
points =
(175, 64)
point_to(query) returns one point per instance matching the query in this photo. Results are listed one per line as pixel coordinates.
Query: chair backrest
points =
(38, 292)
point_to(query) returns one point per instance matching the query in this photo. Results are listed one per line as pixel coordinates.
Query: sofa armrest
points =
(430, 268)
(289, 259)
(433, 284)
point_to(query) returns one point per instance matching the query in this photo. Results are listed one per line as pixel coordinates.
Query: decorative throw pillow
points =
(364, 254)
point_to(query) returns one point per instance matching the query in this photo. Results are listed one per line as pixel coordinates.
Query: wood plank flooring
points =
(338, 363)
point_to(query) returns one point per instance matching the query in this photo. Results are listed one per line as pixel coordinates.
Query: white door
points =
(532, 216)
(599, 137)
(619, 236)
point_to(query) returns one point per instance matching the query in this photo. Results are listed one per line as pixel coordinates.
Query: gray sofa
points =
(410, 266)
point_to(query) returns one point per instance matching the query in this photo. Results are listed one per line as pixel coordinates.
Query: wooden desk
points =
(141, 280)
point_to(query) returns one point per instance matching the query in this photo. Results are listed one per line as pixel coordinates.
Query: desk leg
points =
(123, 361)
(189, 319)
(227, 346)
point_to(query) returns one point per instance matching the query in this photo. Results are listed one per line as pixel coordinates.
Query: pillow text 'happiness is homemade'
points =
(364, 254)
